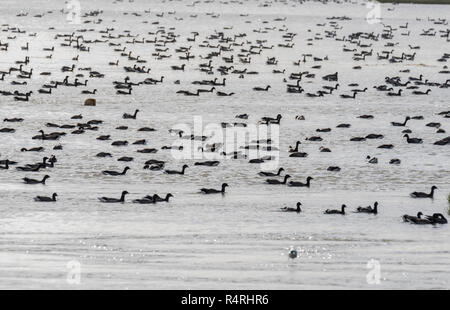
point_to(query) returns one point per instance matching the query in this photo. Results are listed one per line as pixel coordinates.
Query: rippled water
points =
(239, 240)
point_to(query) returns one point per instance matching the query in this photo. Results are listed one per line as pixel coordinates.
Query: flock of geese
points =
(225, 55)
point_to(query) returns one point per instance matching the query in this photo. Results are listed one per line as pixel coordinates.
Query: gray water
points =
(239, 240)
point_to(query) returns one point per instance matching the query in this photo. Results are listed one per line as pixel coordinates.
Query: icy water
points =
(239, 240)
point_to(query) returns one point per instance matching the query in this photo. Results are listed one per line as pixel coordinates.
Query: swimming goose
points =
(301, 184)
(424, 195)
(437, 218)
(270, 174)
(115, 173)
(121, 92)
(214, 191)
(417, 92)
(88, 92)
(416, 219)
(211, 163)
(33, 149)
(368, 209)
(177, 172)
(294, 150)
(156, 198)
(344, 96)
(46, 199)
(114, 200)
(401, 124)
(277, 182)
(145, 200)
(33, 181)
(261, 88)
(298, 209)
(342, 211)
(412, 140)
(398, 94)
(130, 116)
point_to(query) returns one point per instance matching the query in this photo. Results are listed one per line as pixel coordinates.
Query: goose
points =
(115, 173)
(26, 98)
(331, 87)
(416, 219)
(104, 138)
(103, 155)
(416, 79)
(177, 172)
(140, 142)
(437, 218)
(31, 168)
(401, 124)
(223, 94)
(188, 93)
(206, 90)
(33, 181)
(392, 94)
(33, 149)
(334, 168)
(372, 160)
(156, 198)
(294, 150)
(68, 69)
(262, 88)
(342, 211)
(46, 199)
(211, 163)
(145, 200)
(293, 254)
(301, 184)
(417, 92)
(270, 174)
(119, 143)
(130, 116)
(13, 120)
(45, 91)
(299, 154)
(121, 92)
(180, 68)
(7, 130)
(359, 90)
(50, 136)
(412, 140)
(278, 182)
(368, 209)
(395, 161)
(424, 195)
(88, 92)
(312, 95)
(214, 191)
(114, 200)
(298, 209)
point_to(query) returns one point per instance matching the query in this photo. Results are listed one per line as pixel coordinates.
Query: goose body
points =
(278, 182)
(297, 209)
(33, 181)
(342, 211)
(114, 200)
(424, 195)
(116, 173)
(368, 209)
(214, 191)
(46, 199)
